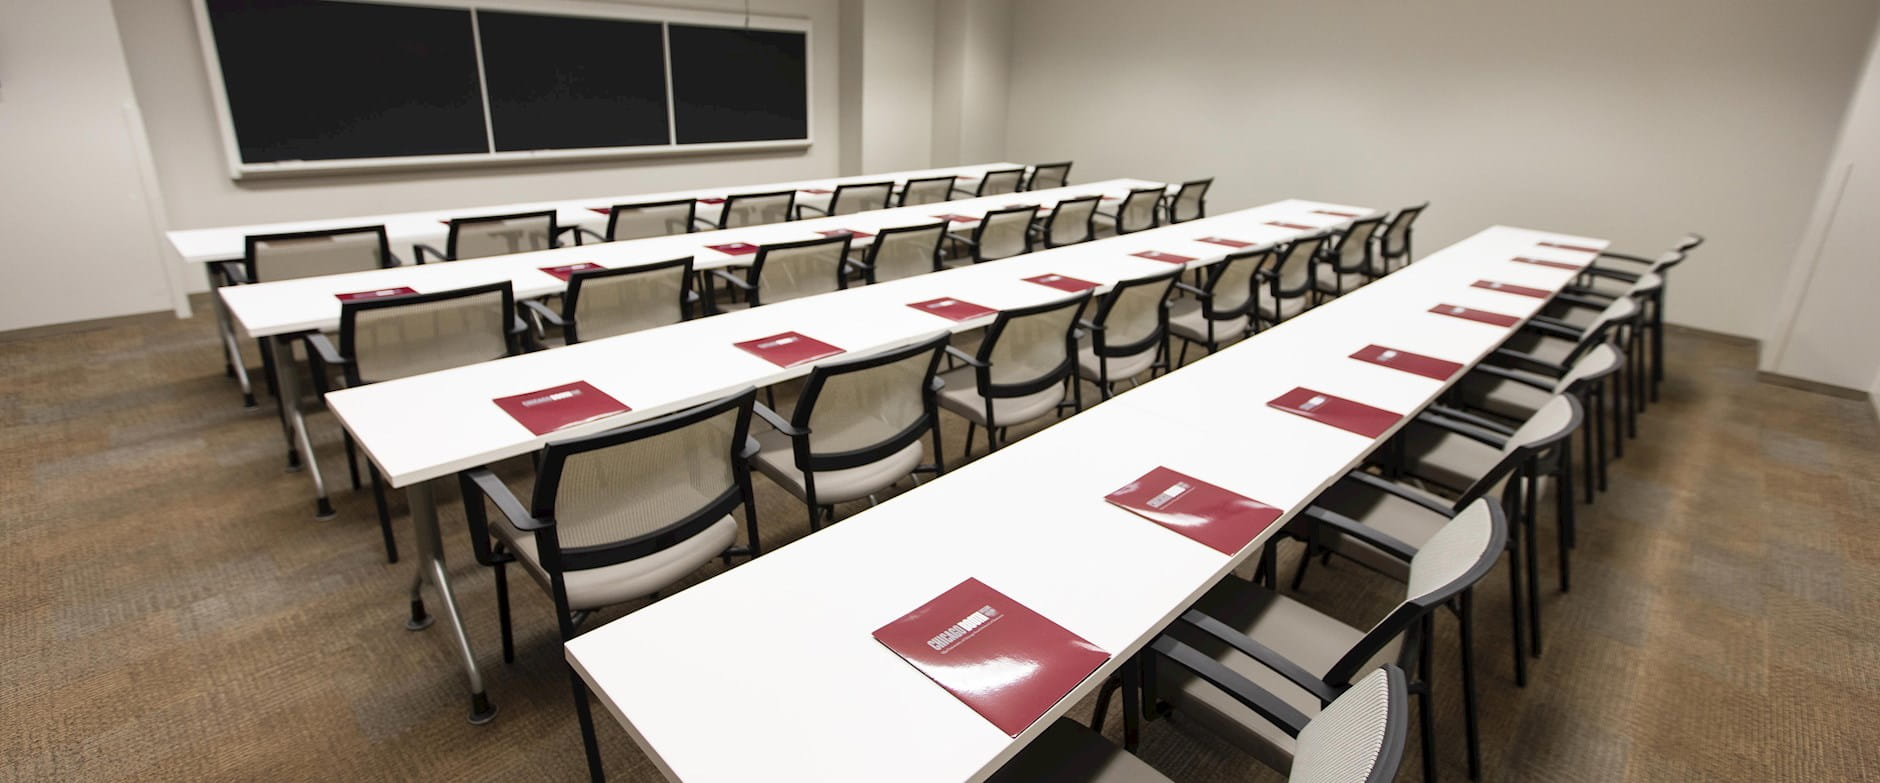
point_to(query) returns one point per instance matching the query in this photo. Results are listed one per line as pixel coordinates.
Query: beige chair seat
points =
(1328, 280)
(1120, 367)
(961, 396)
(1185, 321)
(1501, 396)
(1553, 350)
(776, 458)
(1445, 457)
(1387, 513)
(1069, 752)
(1287, 309)
(594, 588)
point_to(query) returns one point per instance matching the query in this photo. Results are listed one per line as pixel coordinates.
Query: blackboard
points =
(567, 82)
(733, 84)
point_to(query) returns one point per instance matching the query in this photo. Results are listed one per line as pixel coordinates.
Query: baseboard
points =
(1733, 339)
(1817, 387)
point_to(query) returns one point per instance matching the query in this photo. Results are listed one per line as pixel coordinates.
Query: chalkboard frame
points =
(239, 169)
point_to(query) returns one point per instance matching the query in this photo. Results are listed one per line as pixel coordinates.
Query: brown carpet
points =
(171, 610)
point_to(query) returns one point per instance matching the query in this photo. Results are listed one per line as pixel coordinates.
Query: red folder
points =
(562, 273)
(1167, 258)
(711, 201)
(1007, 662)
(1337, 411)
(788, 349)
(1426, 366)
(735, 248)
(1473, 314)
(1221, 519)
(952, 309)
(602, 210)
(1581, 248)
(1510, 288)
(559, 407)
(378, 294)
(958, 218)
(1336, 213)
(1110, 198)
(1544, 262)
(845, 232)
(1233, 243)
(1062, 282)
(818, 191)
(1295, 226)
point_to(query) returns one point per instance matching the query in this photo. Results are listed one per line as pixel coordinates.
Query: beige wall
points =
(972, 70)
(897, 117)
(1631, 120)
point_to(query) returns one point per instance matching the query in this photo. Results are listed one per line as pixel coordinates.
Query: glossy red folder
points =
(1234, 243)
(1062, 282)
(1510, 288)
(1007, 662)
(1426, 366)
(735, 248)
(1580, 248)
(788, 349)
(1295, 226)
(1544, 262)
(952, 309)
(1335, 214)
(547, 410)
(1470, 313)
(564, 272)
(602, 210)
(1337, 411)
(378, 294)
(711, 201)
(842, 232)
(958, 218)
(1221, 519)
(1167, 258)
(818, 191)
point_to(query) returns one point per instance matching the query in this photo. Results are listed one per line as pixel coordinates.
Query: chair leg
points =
(352, 459)
(1103, 702)
(1426, 721)
(1465, 622)
(502, 612)
(1299, 574)
(968, 453)
(1132, 698)
(1563, 516)
(1530, 510)
(385, 513)
(588, 740)
(1515, 601)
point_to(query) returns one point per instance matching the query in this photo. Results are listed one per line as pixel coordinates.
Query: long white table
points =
(777, 656)
(421, 429)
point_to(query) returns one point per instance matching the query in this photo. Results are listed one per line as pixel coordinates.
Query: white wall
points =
(1828, 328)
(897, 90)
(1635, 121)
(972, 70)
(79, 234)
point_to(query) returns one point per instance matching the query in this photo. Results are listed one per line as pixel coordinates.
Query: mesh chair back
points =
(1191, 201)
(994, 183)
(498, 235)
(1353, 252)
(1004, 233)
(862, 410)
(905, 251)
(850, 199)
(756, 209)
(792, 270)
(639, 221)
(1045, 176)
(1029, 348)
(1134, 314)
(1071, 221)
(1292, 270)
(1397, 234)
(931, 190)
(1140, 210)
(402, 336)
(1359, 737)
(1231, 284)
(1553, 422)
(607, 302)
(294, 256)
(631, 492)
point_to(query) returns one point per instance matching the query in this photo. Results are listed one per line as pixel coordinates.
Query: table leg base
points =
(248, 402)
(323, 510)
(420, 619)
(481, 710)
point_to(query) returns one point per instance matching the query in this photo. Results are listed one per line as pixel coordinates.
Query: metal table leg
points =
(422, 497)
(230, 345)
(286, 378)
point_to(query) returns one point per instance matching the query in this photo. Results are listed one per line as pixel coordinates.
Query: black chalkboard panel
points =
(562, 82)
(322, 80)
(735, 84)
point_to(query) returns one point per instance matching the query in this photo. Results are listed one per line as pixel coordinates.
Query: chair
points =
(617, 516)
(1141, 210)
(1394, 244)
(931, 190)
(1045, 176)
(401, 336)
(1245, 631)
(1190, 201)
(1347, 263)
(1129, 332)
(1359, 737)
(1513, 396)
(1071, 221)
(1551, 347)
(856, 428)
(1607, 269)
(1221, 310)
(1289, 280)
(753, 209)
(1020, 371)
(497, 235)
(608, 302)
(640, 221)
(995, 183)
(787, 270)
(904, 251)
(1001, 233)
(850, 199)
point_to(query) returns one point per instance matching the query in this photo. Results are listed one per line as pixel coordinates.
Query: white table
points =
(428, 427)
(775, 658)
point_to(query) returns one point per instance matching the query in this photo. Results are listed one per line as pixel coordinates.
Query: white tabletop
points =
(775, 658)
(307, 304)
(436, 424)
(405, 229)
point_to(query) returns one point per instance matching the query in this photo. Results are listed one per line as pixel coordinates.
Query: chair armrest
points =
(967, 241)
(1395, 490)
(1088, 326)
(543, 311)
(580, 231)
(1280, 664)
(1362, 532)
(1243, 690)
(517, 326)
(1527, 361)
(1577, 300)
(1469, 431)
(1599, 271)
(936, 384)
(1625, 257)
(488, 485)
(730, 278)
(965, 357)
(1103, 214)
(235, 272)
(1583, 292)
(1470, 419)
(323, 347)
(1546, 325)
(421, 250)
(770, 417)
(1193, 290)
(699, 221)
(955, 190)
(751, 447)
(1508, 374)
(817, 210)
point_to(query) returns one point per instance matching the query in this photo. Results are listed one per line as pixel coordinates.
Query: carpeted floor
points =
(172, 611)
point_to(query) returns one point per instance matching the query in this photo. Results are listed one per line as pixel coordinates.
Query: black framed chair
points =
(784, 271)
(1512, 396)
(1001, 233)
(995, 183)
(852, 198)
(929, 190)
(1611, 274)
(1551, 347)
(1393, 250)
(1190, 201)
(1348, 260)
(1141, 210)
(1220, 311)
(401, 336)
(618, 516)
(856, 429)
(640, 221)
(1023, 369)
(1071, 221)
(904, 251)
(1289, 280)
(753, 209)
(1128, 333)
(607, 302)
(1045, 176)
(497, 235)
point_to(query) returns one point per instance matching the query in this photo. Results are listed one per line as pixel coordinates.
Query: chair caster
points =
(323, 510)
(420, 619)
(481, 710)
